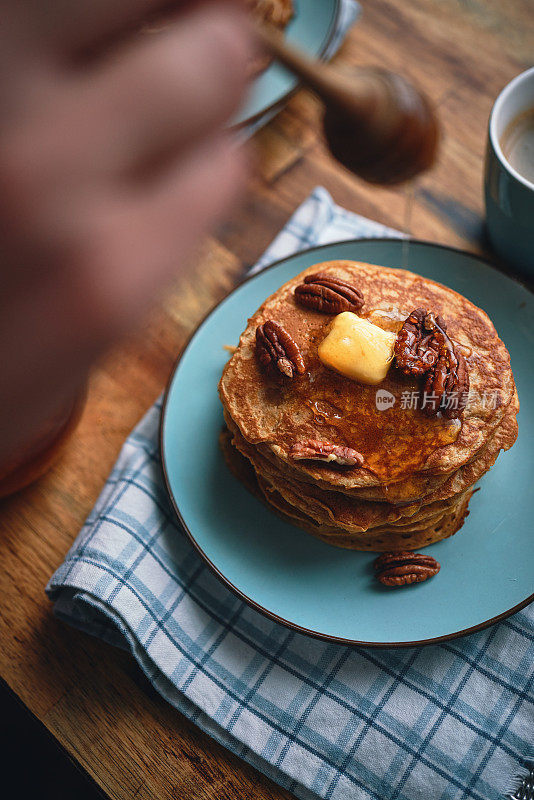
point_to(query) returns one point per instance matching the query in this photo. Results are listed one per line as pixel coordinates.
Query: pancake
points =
(416, 488)
(391, 541)
(351, 514)
(396, 444)
(374, 540)
(466, 476)
(332, 507)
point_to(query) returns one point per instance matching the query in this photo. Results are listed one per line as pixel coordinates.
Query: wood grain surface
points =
(90, 696)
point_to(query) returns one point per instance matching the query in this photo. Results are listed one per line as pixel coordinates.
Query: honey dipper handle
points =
(358, 90)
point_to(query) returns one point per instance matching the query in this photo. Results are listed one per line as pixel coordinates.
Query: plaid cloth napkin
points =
(323, 720)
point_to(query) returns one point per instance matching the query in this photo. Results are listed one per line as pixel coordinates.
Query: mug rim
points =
(497, 108)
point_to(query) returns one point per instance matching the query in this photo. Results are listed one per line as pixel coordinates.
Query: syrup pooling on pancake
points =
(394, 442)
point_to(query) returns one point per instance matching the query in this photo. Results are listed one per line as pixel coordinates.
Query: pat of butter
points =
(358, 349)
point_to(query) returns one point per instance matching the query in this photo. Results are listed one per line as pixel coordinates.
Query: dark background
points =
(37, 765)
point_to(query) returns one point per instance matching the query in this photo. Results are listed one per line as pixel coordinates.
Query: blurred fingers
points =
(111, 276)
(66, 27)
(172, 89)
(154, 232)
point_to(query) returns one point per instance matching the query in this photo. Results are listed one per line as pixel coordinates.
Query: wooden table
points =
(89, 695)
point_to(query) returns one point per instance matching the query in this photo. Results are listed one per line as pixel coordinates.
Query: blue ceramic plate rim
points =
(280, 101)
(220, 575)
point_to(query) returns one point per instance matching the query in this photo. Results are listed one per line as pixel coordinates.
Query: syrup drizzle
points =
(409, 195)
(396, 442)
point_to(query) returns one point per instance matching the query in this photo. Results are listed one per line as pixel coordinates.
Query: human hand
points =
(113, 162)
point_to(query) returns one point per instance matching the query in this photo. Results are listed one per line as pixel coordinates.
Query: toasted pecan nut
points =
(423, 348)
(416, 347)
(404, 567)
(276, 348)
(446, 385)
(314, 450)
(328, 294)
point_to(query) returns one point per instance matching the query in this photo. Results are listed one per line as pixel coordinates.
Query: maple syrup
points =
(409, 194)
(38, 456)
(396, 441)
(389, 319)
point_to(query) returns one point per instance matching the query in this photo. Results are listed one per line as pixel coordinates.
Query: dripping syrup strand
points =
(409, 195)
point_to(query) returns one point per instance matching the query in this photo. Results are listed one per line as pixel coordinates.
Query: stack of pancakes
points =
(418, 472)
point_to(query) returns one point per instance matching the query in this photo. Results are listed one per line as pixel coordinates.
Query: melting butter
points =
(358, 349)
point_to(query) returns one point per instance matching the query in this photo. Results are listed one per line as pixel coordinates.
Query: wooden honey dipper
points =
(376, 123)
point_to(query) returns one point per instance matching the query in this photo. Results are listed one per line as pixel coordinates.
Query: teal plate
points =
(487, 569)
(311, 29)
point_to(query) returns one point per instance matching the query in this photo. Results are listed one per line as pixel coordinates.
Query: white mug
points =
(509, 195)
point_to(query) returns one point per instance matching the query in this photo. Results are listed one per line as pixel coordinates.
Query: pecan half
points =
(424, 348)
(416, 348)
(402, 567)
(328, 294)
(276, 348)
(447, 384)
(314, 450)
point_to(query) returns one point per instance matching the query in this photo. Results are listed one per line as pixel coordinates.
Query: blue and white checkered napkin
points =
(323, 720)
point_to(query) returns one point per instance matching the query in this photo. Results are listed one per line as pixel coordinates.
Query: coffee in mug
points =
(517, 144)
(509, 174)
